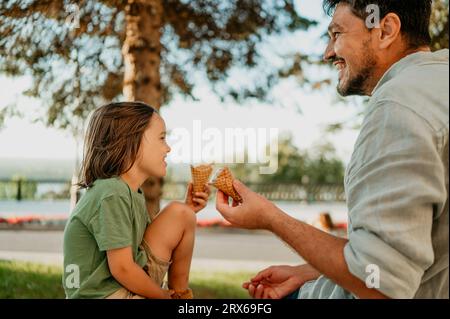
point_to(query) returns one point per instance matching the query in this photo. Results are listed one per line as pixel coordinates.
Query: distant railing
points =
(21, 189)
(282, 192)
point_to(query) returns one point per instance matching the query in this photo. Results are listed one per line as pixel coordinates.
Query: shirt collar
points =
(409, 60)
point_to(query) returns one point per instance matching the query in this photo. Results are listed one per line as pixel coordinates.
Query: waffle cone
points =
(200, 176)
(224, 182)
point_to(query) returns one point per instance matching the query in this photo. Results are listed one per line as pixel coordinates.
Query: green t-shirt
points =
(108, 216)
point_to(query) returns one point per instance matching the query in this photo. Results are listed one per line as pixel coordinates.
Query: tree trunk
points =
(142, 58)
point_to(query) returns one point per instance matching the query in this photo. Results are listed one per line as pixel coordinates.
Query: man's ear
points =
(390, 30)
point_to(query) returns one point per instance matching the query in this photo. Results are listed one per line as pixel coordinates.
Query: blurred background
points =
(229, 64)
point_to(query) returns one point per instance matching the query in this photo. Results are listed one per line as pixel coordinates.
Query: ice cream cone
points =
(224, 182)
(200, 176)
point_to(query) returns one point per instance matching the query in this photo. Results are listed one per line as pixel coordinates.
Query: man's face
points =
(351, 51)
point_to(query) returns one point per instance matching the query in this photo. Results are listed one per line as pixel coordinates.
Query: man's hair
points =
(414, 15)
(113, 139)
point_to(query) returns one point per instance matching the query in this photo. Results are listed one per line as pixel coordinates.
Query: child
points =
(112, 248)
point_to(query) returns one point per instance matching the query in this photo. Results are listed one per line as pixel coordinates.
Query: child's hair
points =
(112, 140)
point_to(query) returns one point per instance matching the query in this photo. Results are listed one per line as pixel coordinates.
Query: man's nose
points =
(329, 52)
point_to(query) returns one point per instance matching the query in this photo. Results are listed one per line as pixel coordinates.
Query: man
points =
(397, 180)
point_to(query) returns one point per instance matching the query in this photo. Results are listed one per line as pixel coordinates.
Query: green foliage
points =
(323, 171)
(292, 164)
(75, 69)
(8, 190)
(439, 25)
(64, 193)
(320, 166)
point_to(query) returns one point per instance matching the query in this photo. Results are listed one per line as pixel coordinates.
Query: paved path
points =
(215, 249)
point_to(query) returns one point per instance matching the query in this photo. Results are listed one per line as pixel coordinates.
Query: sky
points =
(20, 138)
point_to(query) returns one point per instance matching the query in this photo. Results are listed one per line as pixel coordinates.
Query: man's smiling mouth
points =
(340, 66)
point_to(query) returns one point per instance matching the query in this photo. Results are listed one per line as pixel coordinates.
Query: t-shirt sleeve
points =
(112, 224)
(395, 186)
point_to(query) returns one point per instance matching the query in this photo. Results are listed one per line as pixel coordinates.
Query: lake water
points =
(61, 208)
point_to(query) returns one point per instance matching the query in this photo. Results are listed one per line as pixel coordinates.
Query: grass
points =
(35, 281)
(219, 285)
(27, 280)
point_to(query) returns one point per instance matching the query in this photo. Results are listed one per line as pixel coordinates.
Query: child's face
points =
(154, 149)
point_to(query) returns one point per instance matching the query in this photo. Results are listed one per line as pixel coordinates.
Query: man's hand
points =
(255, 211)
(198, 200)
(277, 282)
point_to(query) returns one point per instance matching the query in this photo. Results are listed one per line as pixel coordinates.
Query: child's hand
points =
(197, 201)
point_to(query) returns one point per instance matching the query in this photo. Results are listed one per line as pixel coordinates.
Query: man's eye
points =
(336, 34)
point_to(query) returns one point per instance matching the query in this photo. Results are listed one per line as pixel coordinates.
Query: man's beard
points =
(358, 84)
